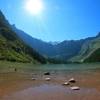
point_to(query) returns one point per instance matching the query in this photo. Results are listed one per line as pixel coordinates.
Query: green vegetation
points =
(89, 51)
(94, 57)
(12, 48)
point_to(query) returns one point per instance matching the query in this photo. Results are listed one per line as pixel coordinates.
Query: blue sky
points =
(60, 20)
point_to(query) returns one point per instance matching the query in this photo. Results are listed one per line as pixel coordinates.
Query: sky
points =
(59, 20)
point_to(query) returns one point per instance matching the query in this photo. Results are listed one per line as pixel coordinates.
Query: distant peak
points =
(54, 43)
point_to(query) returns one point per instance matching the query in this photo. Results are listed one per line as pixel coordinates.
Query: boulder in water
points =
(47, 73)
(66, 83)
(72, 80)
(75, 88)
(47, 79)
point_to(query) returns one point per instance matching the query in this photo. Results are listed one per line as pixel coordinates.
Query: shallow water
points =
(19, 86)
(53, 92)
(62, 69)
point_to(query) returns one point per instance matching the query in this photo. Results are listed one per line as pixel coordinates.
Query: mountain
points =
(12, 48)
(71, 51)
(61, 50)
(16, 45)
(90, 51)
(40, 46)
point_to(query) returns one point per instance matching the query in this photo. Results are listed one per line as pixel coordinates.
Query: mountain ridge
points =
(12, 48)
(66, 49)
(88, 49)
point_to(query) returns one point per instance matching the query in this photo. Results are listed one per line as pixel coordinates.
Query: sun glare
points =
(34, 6)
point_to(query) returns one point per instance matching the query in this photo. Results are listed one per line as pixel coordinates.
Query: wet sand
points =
(20, 86)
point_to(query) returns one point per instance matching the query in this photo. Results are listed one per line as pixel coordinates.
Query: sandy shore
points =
(20, 86)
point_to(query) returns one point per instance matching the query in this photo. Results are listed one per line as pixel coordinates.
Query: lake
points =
(19, 85)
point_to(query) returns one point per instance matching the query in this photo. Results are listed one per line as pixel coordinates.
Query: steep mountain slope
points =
(68, 49)
(94, 57)
(73, 50)
(89, 51)
(12, 48)
(42, 47)
(63, 50)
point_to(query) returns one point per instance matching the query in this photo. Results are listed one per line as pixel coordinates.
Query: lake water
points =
(62, 68)
(19, 85)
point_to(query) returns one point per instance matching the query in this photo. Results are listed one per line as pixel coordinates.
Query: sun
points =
(34, 6)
